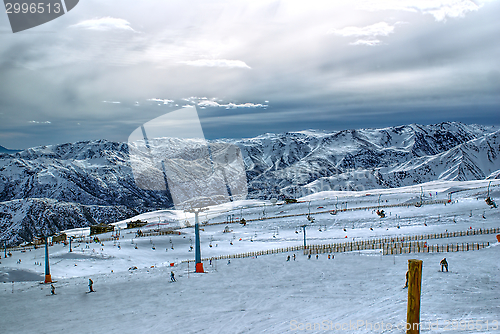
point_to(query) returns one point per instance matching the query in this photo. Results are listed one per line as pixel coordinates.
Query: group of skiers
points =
(91, 284)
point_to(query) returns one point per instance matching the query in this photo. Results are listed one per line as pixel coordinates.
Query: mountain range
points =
(46, 189)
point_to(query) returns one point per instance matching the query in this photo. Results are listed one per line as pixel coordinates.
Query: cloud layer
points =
(322, 64)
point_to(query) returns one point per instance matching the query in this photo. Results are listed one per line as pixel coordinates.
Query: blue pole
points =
(5, 244)
(197, 239)
(47, 269)
(199, 264)
(304, 228)
(70, 238)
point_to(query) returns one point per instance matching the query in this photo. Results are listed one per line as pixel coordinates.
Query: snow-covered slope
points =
(99, 173)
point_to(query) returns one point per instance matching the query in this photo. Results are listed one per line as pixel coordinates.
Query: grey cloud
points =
(425, 70)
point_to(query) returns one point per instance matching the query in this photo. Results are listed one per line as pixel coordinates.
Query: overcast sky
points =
(108, 66)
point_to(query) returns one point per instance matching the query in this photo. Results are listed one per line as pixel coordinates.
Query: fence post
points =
(414, 288)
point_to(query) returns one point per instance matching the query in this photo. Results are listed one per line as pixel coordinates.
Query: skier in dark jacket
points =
(91, 284)
(444, 264)
(172, 277)
(52, 289)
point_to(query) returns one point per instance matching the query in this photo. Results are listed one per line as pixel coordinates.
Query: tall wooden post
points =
(414, 288)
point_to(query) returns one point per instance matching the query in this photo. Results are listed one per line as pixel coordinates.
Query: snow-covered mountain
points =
(6, 150)
(21, 220)
(98, 173)
(299, 163)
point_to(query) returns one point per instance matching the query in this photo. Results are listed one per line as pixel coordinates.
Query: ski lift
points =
(488, 199)
(490, 202)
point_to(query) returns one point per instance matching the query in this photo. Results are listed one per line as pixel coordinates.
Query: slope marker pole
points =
(414, 289)
(48, 278)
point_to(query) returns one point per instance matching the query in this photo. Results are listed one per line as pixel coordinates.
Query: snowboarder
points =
(52, 289)
(444, 264)
(288, 258)
(91, 284)
(172, 277)
(406, 283)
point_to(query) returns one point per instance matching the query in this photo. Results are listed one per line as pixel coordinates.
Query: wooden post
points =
(414, 288)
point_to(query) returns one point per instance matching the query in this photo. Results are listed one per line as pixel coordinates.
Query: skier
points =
(52, 289)
(444, 264)
(228, 262)
(294, 256)
(317, 256)
(288, 258)
(91, 283)
(309, 256)
(406, 283)
(172, 277)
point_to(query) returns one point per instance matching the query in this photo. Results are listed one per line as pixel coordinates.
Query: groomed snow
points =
(267, 294)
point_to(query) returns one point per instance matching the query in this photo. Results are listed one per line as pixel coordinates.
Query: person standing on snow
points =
(52, 289)
(444, 264)
(288, 258)
(91, 284)
(172, 277)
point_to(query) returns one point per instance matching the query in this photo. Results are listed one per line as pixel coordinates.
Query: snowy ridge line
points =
(440, 201)
(237, 220)
(370, 244)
